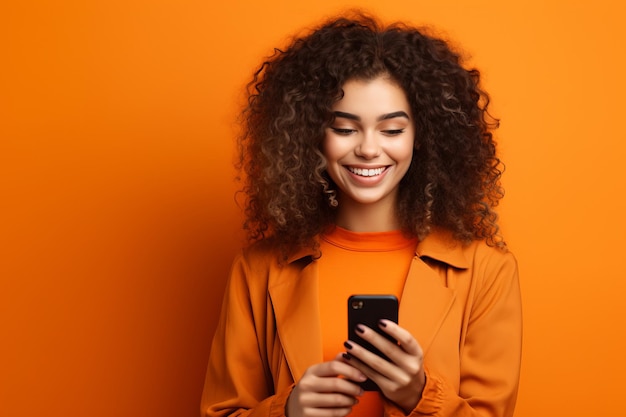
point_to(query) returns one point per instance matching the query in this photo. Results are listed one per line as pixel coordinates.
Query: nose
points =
(368, 147)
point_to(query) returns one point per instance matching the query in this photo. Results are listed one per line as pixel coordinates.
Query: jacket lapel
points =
(294, 296)
(425, 303)
(426, 299)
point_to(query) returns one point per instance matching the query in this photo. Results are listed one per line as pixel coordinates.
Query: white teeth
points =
(366, 172)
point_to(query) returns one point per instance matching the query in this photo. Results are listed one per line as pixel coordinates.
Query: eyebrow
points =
(386, 116)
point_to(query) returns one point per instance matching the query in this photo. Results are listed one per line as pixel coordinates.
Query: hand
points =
(326, 390)
(402, 379)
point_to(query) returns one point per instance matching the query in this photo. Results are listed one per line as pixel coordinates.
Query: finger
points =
(400, 366)
(407, 355)
(360, 365)
(405, 339)
(335, 368)
(335, 376)
(328, 400)
(327, 412)
(334, 385)
(393, 379)
(405, 349)
(322, 405)
(388, 348)
(370, 364)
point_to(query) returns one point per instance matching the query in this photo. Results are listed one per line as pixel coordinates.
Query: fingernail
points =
(347, 356)
(382, 323)
(348, 345)
(360, 328)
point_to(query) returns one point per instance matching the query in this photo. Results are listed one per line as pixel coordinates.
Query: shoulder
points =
(479, 252)
(269, 250)
(250, 273)
(441, 246)
(475, 264)
(265, 257)
(255, 260)
(493, 273)
(489, 260)
(262, 252)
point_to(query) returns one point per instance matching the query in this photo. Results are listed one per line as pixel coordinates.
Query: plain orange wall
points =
(117, 217)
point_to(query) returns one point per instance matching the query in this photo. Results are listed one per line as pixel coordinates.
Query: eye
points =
(393, 132)
(342, 131)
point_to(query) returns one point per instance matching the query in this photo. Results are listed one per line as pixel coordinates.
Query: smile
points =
(364, 172)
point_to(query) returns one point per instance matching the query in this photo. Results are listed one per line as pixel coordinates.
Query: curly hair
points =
(454, 178)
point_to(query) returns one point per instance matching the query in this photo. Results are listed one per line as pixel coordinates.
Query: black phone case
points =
(369, 310)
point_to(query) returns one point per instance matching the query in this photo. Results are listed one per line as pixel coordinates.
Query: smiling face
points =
(369, 146)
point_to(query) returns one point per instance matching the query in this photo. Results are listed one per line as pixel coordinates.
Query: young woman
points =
(370, 169)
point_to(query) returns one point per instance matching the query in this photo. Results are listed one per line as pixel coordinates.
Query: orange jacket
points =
(462, 304)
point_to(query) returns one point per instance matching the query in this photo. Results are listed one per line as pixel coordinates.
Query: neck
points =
(367, 217)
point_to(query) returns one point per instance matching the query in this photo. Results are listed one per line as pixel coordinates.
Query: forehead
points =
(377, 96)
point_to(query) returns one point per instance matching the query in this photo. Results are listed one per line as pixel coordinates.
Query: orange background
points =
(118, 222)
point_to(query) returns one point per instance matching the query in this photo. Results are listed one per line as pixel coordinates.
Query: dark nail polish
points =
(347, 356)
(360, 328)
(348, 345)
(382, 323)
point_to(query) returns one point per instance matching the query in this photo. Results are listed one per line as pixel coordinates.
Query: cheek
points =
(324, 145)
(403, 152)
(330, 149)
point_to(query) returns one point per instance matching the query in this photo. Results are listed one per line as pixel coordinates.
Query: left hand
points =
(402, 379)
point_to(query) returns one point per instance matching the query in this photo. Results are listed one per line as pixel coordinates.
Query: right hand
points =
(328, 389)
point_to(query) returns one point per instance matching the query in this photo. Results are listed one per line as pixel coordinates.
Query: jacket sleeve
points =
(238, 380)
(490, 351)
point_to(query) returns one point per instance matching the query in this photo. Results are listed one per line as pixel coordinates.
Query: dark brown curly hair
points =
(454, 178)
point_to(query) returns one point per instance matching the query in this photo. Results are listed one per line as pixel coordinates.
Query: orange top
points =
(358, 263)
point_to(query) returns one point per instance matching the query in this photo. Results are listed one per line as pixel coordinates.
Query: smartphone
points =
(369, 310)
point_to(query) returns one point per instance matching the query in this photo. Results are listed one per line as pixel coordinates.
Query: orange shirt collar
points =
(438, 245)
